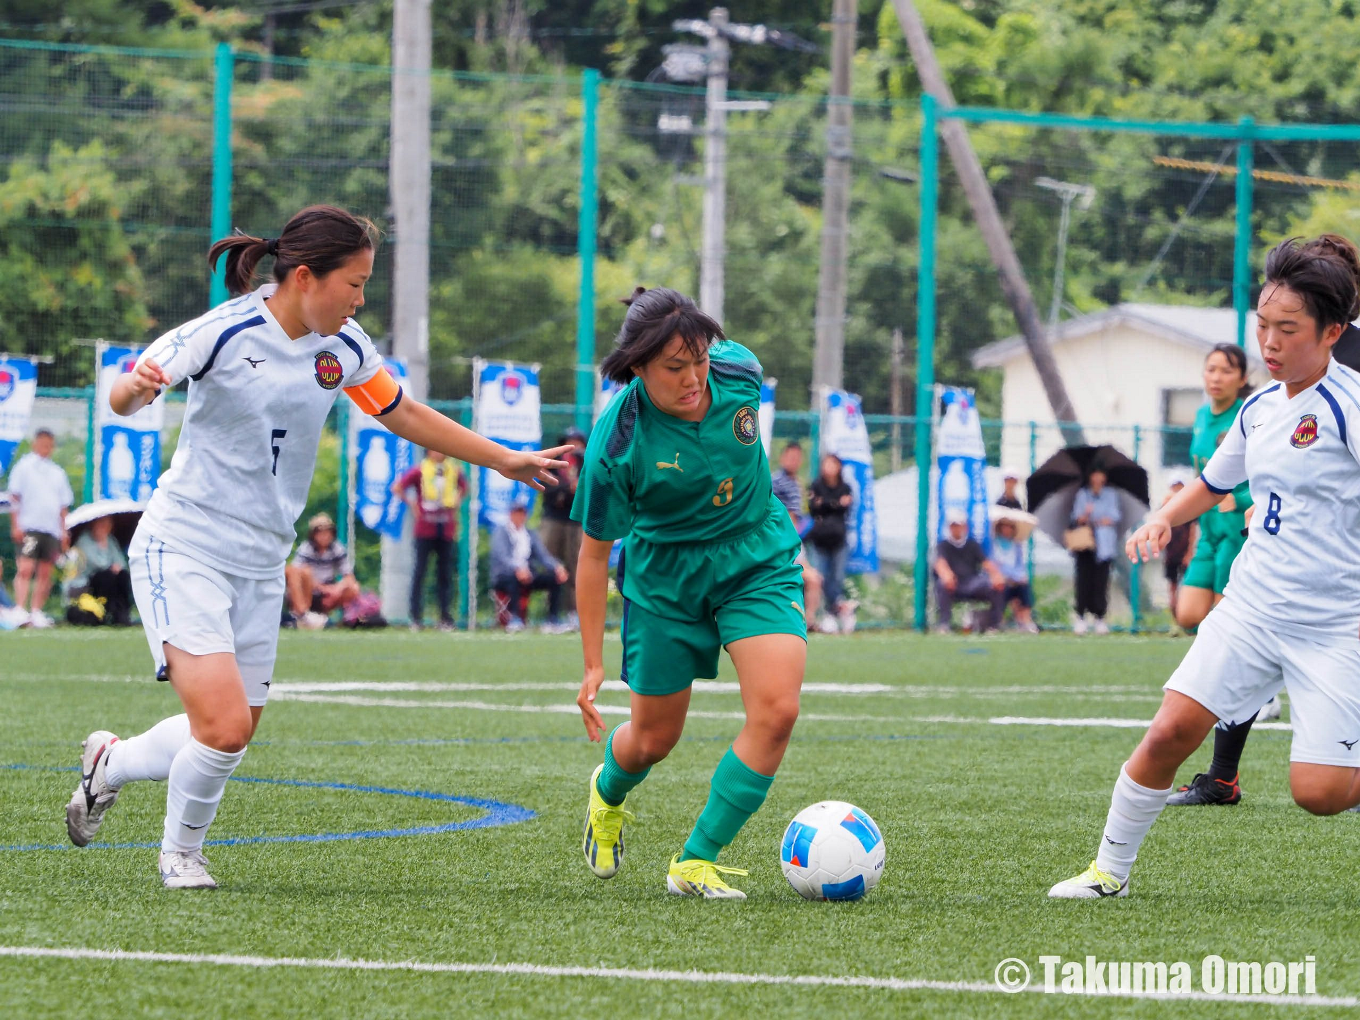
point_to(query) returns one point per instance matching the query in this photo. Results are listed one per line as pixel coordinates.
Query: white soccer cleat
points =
(93, 796)
(1091, 884)
(1270, 710)
(185, 870)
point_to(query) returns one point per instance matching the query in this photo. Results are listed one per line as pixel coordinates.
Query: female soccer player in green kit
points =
(675, 467)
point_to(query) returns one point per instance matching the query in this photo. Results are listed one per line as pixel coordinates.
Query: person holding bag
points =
(1092, 540)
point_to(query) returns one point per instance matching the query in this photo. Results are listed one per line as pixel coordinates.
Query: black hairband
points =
(271, 246)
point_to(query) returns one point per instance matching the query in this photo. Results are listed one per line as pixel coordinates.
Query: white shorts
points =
(201, 610)
(1236, 665)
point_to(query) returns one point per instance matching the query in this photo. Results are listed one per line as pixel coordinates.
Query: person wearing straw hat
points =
(1008, 552)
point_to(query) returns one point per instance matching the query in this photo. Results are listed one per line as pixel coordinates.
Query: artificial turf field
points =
(980, 816)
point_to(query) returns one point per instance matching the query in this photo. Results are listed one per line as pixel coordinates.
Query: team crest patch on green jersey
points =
(745, 425)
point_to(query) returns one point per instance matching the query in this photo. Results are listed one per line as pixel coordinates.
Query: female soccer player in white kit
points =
(207, 560)
(1290, 615)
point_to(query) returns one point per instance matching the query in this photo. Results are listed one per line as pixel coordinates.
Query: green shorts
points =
(748, 587)
(1219, 543)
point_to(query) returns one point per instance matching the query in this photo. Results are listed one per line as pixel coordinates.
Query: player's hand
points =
(147, 378)
(562, 575)
(1149, 540)
(1228, 504)
(1250, 513)
(585, 701)
(534, 467)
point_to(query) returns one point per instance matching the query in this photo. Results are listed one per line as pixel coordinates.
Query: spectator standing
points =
(520, 563)
(98, 587)
(321, 578)
(1008, 552)
(42, 495)
(1010, 498)
(789, 491)
(1178, 551)
(829, 501)
(964, 573)
(433, 489)
(561, 535)
(1096, 507)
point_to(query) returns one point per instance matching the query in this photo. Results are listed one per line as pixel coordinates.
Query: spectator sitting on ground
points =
(789, 491)
(1009, 556)
(964, 573)
(1010, 498)
(321, 578)
(41, 494)
(97, 585)
(520, 563)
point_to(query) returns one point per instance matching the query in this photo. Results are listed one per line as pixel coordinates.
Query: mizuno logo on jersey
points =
(254, 362)
(1349, 744)
(1305, 432)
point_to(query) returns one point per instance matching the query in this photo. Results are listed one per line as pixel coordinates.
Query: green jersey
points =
(1208, 434)
(661, 479)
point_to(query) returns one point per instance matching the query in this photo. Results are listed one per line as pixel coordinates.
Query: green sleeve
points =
(1242, 497)
(604, 494)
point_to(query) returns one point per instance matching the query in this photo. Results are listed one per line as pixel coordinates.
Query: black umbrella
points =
(1052, 489)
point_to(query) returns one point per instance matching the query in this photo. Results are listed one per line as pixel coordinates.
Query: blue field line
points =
(498, 813)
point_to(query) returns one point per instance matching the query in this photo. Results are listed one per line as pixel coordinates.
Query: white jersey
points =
(256, 406)
(1300, 567)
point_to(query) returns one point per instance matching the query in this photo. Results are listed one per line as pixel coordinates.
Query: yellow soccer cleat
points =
(603, 841)
(702, 878)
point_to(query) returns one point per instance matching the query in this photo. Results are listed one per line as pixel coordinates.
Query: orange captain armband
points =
(378, 396)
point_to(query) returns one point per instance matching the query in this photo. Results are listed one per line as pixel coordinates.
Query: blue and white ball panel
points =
(832, 851)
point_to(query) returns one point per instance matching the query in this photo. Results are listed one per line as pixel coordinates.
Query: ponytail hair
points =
(320, 237)
(655, 317)
(1323, 272)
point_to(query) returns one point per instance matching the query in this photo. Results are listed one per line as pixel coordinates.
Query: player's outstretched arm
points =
(426, 427)
(1189, 504)
(133, 390)
(592, 592)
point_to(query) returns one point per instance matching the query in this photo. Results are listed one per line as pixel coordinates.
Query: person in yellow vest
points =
(433, 489)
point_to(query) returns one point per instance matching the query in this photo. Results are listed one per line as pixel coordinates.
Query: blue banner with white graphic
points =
(508, 402)
(18, 388)
(604, 394)
(767, 413)
(129, 447)
(845, 435)
(962, 461)
(380, 458)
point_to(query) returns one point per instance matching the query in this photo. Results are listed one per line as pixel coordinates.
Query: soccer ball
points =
(832, 851)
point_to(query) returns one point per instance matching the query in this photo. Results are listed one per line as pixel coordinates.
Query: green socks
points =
(737, 793)
(614, 783)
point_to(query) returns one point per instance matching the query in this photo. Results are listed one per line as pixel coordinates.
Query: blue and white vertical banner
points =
(507, 403)
(604, 393)
(380, 458)
(18, 388)
(129, 448)
(962, 461)
(845, 435)
(767, 414)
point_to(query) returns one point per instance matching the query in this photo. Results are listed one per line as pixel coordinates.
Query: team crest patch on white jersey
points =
(329, 371)
(1305, 432)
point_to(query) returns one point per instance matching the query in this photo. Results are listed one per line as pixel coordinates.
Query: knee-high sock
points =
(147, 755)
(615, 782)
(197, 778)
(1229, 741)
(1133, 809)
(736, 794)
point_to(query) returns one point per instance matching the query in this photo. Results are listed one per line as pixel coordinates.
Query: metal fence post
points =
(925, 347)
(585, 251)
(1242, 235)
(466, 522)
(342, 498)
(88, 490)
(224, 69)
(1033, 466)
(1135, 574)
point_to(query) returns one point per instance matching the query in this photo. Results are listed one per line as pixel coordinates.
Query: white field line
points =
(552, 709)
(694, 977)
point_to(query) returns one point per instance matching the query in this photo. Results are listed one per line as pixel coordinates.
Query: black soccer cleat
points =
(1205, 790)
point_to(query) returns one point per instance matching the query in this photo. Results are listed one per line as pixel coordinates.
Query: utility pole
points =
(1069, 193)
(409, 176)
(983, 203)
(720, 34)
(713, 253)
(828, 368)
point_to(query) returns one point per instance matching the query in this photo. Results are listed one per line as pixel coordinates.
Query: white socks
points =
(1133, 809)
(147, 755)
(197, 777)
